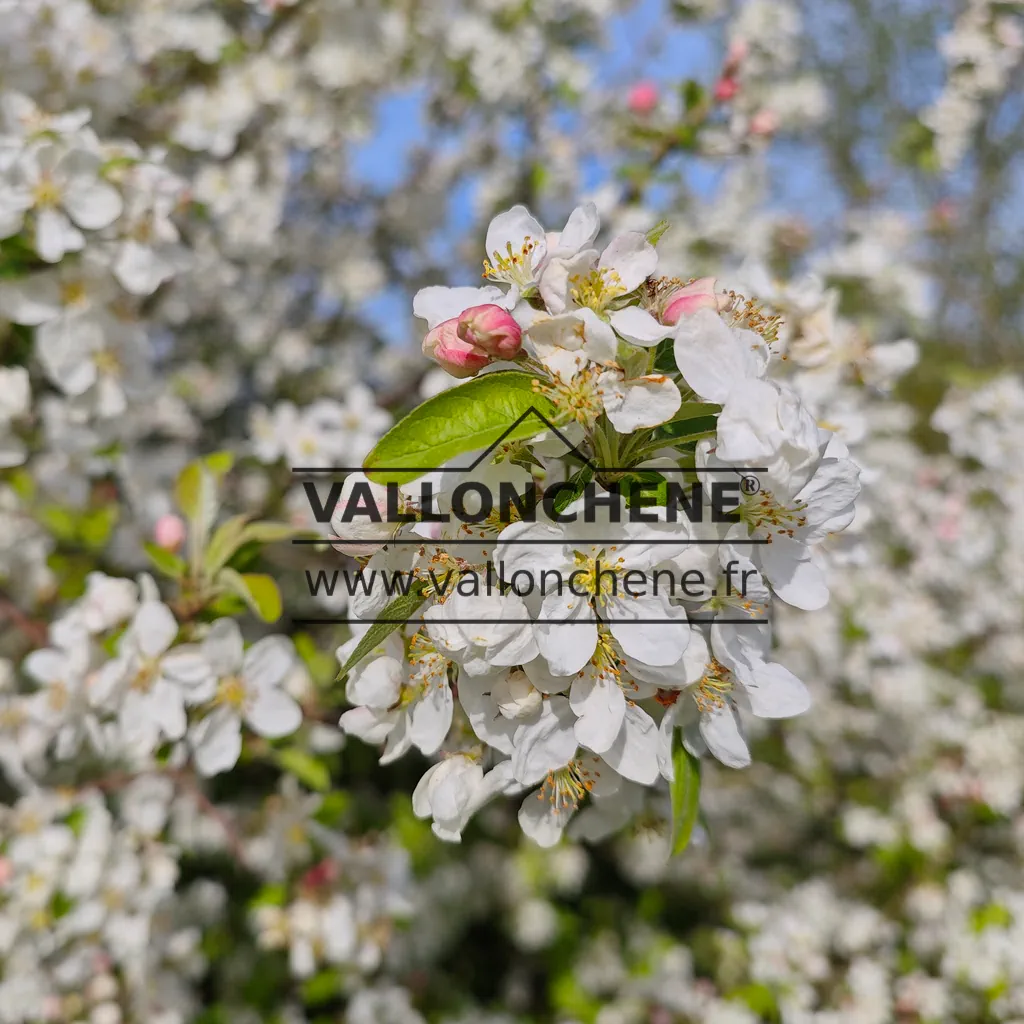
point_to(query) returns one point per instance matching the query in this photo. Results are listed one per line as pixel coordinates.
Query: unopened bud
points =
(516, 696)
(643, 98)
(360, 520)
(726, 89)
(492, 330)
(169, 532)
(764, 122)
(448, 350)
(687, 300)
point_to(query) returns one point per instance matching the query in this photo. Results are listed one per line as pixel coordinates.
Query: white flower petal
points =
(376, 683)
(223, 648)
(634, 755)
(154, 628)
(566, 632)
(513, 228)
(541, 821)
(640, 402)
(369, 724)
(268, 662)
(545, 745)
(56, 235)
(774, 692)
(632, 257)
(720, 730)
(92, 204)
(637, 326)
(217, 742)
(437, 303)
(598, 702)
(273, 713)
(648, 628)
(794, 578)
(713, 357)
(579, 232)
(430, 718)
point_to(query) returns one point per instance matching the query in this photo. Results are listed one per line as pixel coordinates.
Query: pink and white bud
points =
(642, 98)
(764, 122)
(360, 519)
(687, 300)
(726, 89)
(169, 532)
(448, 350)
(492, 330)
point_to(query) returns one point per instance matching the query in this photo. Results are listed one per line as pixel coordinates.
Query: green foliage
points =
(258, 591)
(306, 767)
(474, 415)
(392, 618)
(685, 793)
(166, 561)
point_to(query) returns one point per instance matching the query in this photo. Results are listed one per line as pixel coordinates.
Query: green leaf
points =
(322, 987)
(188, 489)
(166, 561)
(991, 915)
(219, 463)
(333, 808)
(693, 94)
(234, 533)
(224, 543)
(96, 526)
(659, 229)
(305, 767)
(645, 488)
(266, 532)
(258, 591)
(577, 485)
(393, 617)
(685, 792)
(473, 415)
(59, 521)
(273, 894)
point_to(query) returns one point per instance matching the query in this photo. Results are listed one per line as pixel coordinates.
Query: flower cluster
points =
(574, 692)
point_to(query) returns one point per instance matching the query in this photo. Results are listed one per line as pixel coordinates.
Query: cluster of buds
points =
(465, 344)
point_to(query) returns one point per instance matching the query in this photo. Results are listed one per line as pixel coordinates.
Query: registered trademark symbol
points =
(750, 485)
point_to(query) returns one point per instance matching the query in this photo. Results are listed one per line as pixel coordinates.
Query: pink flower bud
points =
(447, 349)
(764, 122)
(169, 532)
(642, 98)
(321, 875)
(492, 330)
(726, 89)
(6, 871)
(687, 300)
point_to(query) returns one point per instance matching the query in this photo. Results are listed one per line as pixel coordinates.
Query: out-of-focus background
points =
(214, 215)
